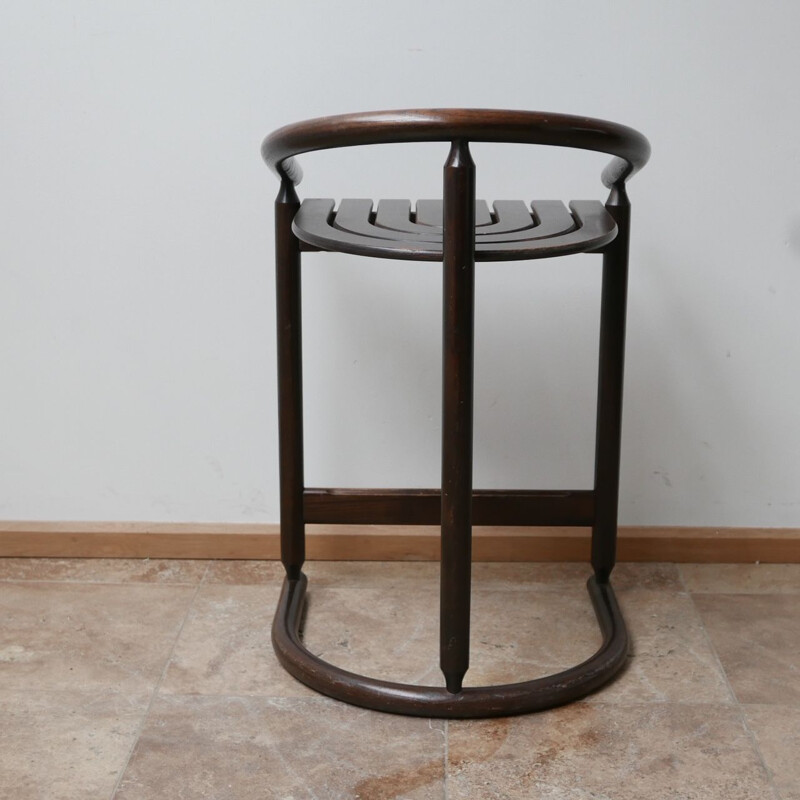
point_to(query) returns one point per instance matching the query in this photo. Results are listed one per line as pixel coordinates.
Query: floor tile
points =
(390, 630)
(649, 575)
(326, 574)
(95, 637)
(670, 659)
(777, 733)
(390, 633)
(65, 745)
(390, 575)
(393, 634)
(620, 752)
(757, 638)
(253, 747)
(225, 646)
(543, 576)
(742, 578)
(103, 570)
(244, 573)
(495, 575)
(521, 635)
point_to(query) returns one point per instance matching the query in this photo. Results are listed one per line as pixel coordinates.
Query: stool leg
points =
(609, 388)
(290, 381)
(457, 367)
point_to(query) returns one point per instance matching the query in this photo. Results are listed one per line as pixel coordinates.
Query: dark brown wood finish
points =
(426, 220)
(460, 235)
(433, 701)
(290, 380)
(512, 215)
(457, 393)
(423, 507)
(630, 149)
(613, 303)
(585, 227)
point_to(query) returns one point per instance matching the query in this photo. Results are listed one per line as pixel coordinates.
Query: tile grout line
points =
(154, 695)
(39, 581)
(737, 704)
(202, 581)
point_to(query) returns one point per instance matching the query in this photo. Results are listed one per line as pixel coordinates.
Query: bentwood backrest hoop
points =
(630, 149)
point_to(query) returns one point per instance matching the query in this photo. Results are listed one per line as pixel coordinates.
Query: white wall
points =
(136, 305)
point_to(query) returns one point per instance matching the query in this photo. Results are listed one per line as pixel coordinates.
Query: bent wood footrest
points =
(431, 701)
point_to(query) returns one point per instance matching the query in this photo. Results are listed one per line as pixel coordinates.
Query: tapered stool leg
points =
(457, 358)
(609, 388)
(290, 381)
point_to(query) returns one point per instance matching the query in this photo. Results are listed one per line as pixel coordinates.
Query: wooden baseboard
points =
(388, 543)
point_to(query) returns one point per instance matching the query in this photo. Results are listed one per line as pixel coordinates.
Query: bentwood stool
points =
(457, 231)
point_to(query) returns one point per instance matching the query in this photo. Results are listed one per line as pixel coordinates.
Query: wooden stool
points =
(457, 232)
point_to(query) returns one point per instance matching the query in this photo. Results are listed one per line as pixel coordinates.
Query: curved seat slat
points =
(512, 215)
(594, 228)
(549, 218)
(312, 225)
(431, 213)
(586, 226)
(395, 216)
(483, 217)
(353, 216)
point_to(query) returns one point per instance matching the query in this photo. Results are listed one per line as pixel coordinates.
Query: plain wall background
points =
(136, 297)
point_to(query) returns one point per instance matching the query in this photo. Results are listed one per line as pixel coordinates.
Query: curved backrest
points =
(630, 149)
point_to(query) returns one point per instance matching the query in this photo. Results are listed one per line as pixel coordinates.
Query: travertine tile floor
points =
(156, 679)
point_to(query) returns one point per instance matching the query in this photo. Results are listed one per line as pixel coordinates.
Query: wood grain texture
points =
(458, 336)
(389, 542)
(630, 149)
(423, 507)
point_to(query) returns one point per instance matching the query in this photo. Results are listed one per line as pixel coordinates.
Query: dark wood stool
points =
(458, 232)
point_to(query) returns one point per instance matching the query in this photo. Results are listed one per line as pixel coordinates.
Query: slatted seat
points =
(512, 231)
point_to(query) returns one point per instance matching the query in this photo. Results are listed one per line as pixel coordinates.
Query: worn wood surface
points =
(630, 149)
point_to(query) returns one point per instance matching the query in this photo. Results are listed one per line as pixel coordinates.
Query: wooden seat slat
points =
(552, 219)
(595, 228)
(353, 216)
(311, 225)
(431, 212)
(428, 218)
(395, 215)
(512, 215)
(483, 217)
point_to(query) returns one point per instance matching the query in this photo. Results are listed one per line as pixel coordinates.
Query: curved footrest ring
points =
(432, 701)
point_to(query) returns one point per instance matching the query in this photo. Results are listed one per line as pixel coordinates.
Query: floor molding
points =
(388, 543)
